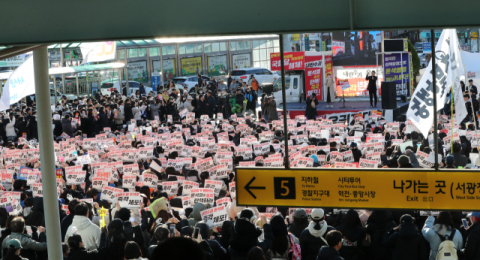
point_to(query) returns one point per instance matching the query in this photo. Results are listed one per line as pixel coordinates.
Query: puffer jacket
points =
(406, 242)
(67, 127)
(120, 116)
(90, 233)
(431, 233)
(81, 254)
(10, 128)
(29, 246)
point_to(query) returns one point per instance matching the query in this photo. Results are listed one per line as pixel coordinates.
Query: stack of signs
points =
(214, 216)
(205, 196)
(109, 194)
(129, 199)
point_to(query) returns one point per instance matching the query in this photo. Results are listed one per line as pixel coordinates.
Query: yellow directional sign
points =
(392, 189)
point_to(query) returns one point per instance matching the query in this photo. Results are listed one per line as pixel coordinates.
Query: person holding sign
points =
(311, 110)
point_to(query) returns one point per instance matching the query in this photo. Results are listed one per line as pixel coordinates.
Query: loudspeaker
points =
(389, 95)
(394, 45)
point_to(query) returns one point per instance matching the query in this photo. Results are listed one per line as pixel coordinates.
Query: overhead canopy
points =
(120, 19)
(75, 69)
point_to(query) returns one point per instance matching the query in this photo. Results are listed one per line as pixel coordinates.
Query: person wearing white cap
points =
(313, 237)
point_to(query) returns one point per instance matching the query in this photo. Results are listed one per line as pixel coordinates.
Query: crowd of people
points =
(152, 176)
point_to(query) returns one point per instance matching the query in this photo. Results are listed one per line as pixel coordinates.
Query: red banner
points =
(292, 60)
(313, 75)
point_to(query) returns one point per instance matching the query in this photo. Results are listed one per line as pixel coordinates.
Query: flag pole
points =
(434, 91)
(451, 119)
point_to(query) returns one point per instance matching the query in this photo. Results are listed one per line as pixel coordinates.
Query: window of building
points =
(132, 53)
(168, 50)
(215, 46)
(154, 51)
(262, 50)
(181, 49)
(142, 52)
(207, 47)
(223, 46)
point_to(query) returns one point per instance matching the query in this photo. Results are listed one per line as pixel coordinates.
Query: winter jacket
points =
(329, 84)
(310, 245)
(202, 107)
(188, 106)
(298, 226)
(328, 253)
(120, 116)
(271, 109)
(32, 127)
(407, 243)
(90, 232)
(430, 232)
(21, 127)
(245, 236)
(58, 130)
(128, 111)
(211, 105)
(67, 127)
(36, 217)
(379, 222)
(472, 246)
(352, 241)
(137, 112)
(65, 224)
(82, 254)
(154, 110)
(10, 128)
(311, 112)
(29, 246)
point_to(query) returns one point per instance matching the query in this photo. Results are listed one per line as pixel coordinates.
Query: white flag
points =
(448, 63)
(20, 84)
(98, 51)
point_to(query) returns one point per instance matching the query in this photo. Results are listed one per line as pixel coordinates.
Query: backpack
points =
(295, 250)
(447, 249)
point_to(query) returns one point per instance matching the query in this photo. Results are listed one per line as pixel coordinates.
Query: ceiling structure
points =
(67, 21)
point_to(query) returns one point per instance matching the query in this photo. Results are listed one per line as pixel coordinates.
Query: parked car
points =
(188, 81)
(107, 87)
(59, 95)
(262, 75)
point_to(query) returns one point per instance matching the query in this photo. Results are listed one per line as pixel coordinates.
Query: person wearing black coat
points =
(372, 88)
(202, 108)
(353, 235)
(210, 104)
(67, 126)
(102, 119)
(313, 237)
(212, 245)
(92, 129)
(311, 112)
(378, 224)
(128, 110)
(299, 222)
(21, 125)
(472, 248)
(78, 252)
(406, 242)
(32, 125)
(58, 130)
(36, 217)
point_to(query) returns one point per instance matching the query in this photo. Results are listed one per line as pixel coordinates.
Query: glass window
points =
(256, 55)
(247, 45)
(223, 46)
(263, 54)
(276, 43)
(207, 47)
(269, 50)
(232, 46)
(198, 48)
(190, 48)
(267, 72)
(171, 49)
(142, 52)
(122, 54)
(181, 49)
(256, 44)
(239, 45)
(276, 49)
(265, 64)
(269, 43)
(263, 44)
(132, 53)
(215, 46)
(278, 85)
(154, 51)
(256, 64)
(295, 83)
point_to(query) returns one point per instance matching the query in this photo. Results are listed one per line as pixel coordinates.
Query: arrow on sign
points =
(248, 188)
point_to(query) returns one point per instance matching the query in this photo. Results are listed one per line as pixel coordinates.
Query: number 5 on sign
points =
(284, 188)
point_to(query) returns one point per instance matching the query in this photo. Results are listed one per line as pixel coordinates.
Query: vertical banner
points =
(137, 71)
(191, 66)
(410, 64)
(394, 65)
(217, 65)
(314, 75)
(240, 61)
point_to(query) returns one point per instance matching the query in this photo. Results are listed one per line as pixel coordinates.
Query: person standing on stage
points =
(372, 87)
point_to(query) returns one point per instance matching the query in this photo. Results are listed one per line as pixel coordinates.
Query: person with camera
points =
(311, 110)
(271, 108)
(372, 87)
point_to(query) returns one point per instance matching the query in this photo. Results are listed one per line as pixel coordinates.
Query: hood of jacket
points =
(196, 211)
(81, 222)
(326, 253)
(407, 230)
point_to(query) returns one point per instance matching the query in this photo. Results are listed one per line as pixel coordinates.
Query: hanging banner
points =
(355, 75)
(137, 71)
(292, 60)
(449, 71)
(20, 84)
(313, 75)
(394, 65)
(191, 66)
(217, 65)
(98, 51)
(240, 61)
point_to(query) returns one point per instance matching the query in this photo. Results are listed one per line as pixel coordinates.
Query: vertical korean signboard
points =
(314, 75)
(394, 65)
